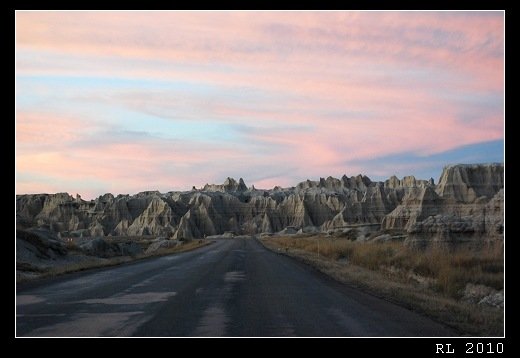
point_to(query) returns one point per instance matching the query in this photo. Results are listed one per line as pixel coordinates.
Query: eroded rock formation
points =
(468, 203)
(466, 206)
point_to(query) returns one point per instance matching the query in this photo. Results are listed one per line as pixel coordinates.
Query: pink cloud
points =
(75, 154)
(47, 129)
(327, 87)
(259, 37)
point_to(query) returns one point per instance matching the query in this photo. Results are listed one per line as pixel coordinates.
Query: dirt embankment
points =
(40, 253)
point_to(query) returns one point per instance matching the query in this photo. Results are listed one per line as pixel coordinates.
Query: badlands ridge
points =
(465, 206)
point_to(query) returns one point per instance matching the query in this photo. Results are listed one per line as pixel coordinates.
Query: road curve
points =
(229, 288)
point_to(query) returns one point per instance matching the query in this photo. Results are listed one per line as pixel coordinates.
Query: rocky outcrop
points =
(102, 248)
(467, 206)
(36, 244)
(467, 182)
(418, 204)
(467, 203)
(483, 295)
(99, 247)
(230, 185)
(162, 244)
(494, 216)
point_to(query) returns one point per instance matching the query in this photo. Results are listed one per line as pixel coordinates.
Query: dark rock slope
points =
(467, 203)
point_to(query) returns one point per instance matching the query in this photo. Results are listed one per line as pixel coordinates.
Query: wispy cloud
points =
(134, 100)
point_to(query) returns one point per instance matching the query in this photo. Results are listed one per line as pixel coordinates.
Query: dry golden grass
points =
(450, 269)
(429, 281)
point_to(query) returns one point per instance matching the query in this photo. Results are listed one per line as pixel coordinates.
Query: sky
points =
(124, 102)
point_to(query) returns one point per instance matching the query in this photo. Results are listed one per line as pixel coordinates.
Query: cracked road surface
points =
(232, 287)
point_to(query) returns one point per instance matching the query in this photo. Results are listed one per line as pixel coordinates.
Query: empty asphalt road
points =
(229, 288)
